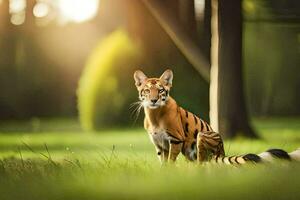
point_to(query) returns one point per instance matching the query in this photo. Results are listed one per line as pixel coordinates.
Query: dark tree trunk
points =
(7, 37)
(8, 43)
(233, 119)
(187, 18)
(206, 41)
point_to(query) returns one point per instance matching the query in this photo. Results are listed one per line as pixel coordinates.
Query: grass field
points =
(53, 159)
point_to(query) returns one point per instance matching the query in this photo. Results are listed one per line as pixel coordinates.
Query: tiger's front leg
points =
(174, 150)
(162, 154)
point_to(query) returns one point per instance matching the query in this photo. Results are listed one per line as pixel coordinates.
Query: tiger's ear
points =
(139, 78)
(167, 77)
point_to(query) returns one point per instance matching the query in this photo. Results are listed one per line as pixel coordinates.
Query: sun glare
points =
(17, 11)
(63, 11)
(78, 10)
(41, 9)
(199, 9)
(16, 6)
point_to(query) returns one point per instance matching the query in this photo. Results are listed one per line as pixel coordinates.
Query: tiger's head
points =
(153, 92)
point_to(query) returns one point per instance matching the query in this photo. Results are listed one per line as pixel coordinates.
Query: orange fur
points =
(171, 128)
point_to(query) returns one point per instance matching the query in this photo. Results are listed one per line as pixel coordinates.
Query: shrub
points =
(106, 85)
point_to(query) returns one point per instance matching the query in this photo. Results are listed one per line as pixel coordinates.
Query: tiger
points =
(174, 130)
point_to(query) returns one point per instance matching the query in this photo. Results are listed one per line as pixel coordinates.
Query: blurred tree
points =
(187, 17)
(102, 97)
(232, 114)
(8, 41)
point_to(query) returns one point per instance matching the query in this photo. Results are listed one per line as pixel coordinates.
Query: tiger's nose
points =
(154, 101)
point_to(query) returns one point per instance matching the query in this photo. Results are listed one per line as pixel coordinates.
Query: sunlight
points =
(18, 18)
(248, 6)
(78, 10)
(199, 9)
(41, 9)
(16, 6)
(17, 11)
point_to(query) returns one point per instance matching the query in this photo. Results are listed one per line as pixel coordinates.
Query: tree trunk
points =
(213, 86)
(233, 119)
(187, 18)
(206, 41)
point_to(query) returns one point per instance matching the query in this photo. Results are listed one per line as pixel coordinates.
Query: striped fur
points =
(267, 156)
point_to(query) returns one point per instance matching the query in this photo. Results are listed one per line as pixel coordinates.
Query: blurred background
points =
(68, 59)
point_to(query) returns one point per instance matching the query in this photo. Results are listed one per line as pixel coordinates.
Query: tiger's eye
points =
(161, 90)
(147, 91)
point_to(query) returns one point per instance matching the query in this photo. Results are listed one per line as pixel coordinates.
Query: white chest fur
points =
(160, 139)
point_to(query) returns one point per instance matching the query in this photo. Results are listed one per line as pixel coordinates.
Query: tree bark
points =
(206, 40)
(233, 118)
(187, 18)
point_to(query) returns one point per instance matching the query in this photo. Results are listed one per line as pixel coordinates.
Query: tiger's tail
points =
(266, 156)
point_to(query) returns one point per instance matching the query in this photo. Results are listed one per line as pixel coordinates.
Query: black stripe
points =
(236, 160)
(196, 133)
(207, 127)
(176, 142)
(252, 157)
(214, 134)
(217, 158)
(183, 148)
(201, 125)
(169, 134)
(223, 159)
(195, 118)
(230, 159)
(216, 138)
(210, 144)
(193, 145)
(167, 92)
(187, 127)
(186, 114)
(279, 153)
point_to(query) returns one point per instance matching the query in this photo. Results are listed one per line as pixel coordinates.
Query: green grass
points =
(53, 159)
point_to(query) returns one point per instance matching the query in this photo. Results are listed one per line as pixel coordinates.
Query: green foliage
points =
(121, 164)
(271, 70)
(104, 89)
(271, 57)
